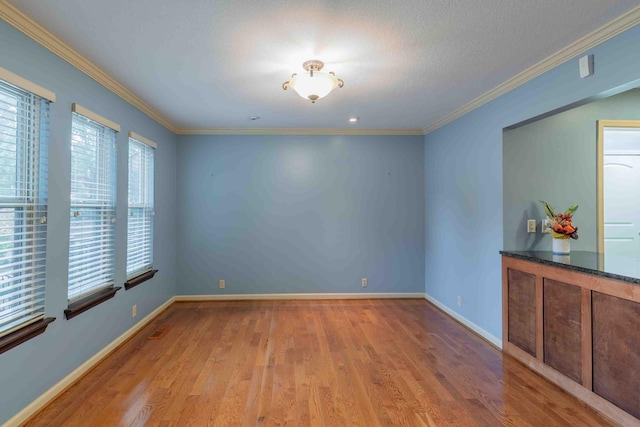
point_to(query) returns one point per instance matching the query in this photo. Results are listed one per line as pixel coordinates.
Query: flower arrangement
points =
(561, 223)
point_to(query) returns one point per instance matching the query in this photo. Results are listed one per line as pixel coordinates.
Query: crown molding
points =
(31, 28)
(298, 131)
(607, 31)
(28, 26)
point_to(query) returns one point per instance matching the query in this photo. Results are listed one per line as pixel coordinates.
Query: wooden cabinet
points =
(580, 331)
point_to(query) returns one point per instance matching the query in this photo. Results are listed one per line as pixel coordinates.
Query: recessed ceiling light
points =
(254, 118)
(353, 119)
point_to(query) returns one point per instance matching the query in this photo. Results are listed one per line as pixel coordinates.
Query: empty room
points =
(319, 213)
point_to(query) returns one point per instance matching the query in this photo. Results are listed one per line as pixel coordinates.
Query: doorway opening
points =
(618, 172)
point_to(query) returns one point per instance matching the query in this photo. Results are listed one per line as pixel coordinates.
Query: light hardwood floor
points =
(312, 363)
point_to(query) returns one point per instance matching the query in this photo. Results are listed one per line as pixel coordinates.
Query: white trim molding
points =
(299, 131)
(28, 26)
(607, 31)
(27, 85)
(76, 108)
(466, 322)
(31, 28)
(81, 370)
(305, 296)
(142, 139)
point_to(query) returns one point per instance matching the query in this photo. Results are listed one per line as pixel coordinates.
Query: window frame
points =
(27, 291)
(80, 296)
(145, 204)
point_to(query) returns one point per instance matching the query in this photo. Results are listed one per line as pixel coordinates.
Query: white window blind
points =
(140, 219)
(93, 195)
(24, 130)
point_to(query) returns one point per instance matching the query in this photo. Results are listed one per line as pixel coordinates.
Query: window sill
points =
(135, 281)
(91, 301)
(16, 338)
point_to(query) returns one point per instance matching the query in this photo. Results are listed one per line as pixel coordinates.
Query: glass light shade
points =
(315, 87)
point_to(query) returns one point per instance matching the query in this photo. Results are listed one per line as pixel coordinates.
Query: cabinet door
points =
(562, 314)
(522, 310)
(616, 351)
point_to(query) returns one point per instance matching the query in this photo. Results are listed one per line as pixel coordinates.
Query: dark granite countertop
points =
(611, 266)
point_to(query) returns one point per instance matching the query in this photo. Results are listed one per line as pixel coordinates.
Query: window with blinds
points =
(140, 219)
(93, 216)
(24, 130)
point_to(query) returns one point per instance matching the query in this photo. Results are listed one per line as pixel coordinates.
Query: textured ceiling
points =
(207, 64)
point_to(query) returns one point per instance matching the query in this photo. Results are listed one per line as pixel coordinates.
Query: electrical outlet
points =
(545, 227)
(531, 226)
(134, 311)
(221, 284)
(459, 301)
(365, 282)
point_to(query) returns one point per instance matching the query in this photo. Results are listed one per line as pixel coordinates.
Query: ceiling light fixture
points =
(313, 84)
(353, 119)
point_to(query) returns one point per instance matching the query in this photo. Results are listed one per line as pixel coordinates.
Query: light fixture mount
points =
(313, 65)
(314, 84)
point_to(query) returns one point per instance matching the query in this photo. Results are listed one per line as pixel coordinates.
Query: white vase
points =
(564, 259)
(561, 246)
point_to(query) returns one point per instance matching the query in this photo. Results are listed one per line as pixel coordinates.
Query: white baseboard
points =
(64, 383)
(309, 296)
(466, 322)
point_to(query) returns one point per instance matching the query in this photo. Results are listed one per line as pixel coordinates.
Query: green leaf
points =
(549, 210)
(571, 210)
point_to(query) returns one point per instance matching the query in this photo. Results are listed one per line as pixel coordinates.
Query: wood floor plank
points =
(312, 363)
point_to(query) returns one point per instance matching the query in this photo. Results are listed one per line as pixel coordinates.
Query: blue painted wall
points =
(560, 153)
(274, 214)
(300, 214)
(32, 368)
(463, 175)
